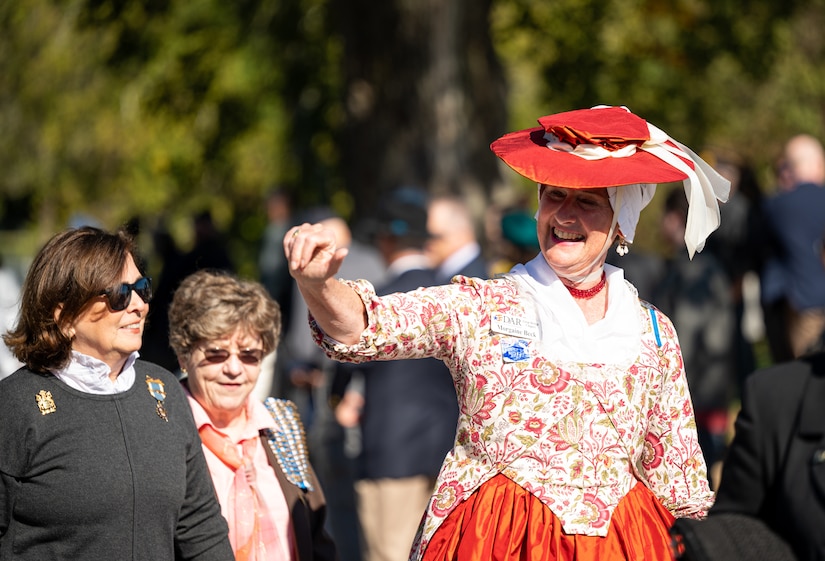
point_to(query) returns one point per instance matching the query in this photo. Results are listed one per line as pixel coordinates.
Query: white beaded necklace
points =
(288, 442)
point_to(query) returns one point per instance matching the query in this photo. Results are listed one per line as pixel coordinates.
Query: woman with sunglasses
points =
(221, 327)
(100, 458)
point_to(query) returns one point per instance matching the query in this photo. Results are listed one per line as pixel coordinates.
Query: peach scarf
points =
(251, 531)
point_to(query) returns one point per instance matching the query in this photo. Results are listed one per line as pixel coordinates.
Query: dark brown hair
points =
(211, 304)
(74, 267)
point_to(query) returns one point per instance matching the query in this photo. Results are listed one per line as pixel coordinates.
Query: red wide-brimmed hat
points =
(611, 147)
(556, 152)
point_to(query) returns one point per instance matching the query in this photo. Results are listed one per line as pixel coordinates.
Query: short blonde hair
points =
(211, 304)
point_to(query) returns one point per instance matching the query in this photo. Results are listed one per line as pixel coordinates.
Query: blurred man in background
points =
(453, 247)
(794, 277)
(408, 410)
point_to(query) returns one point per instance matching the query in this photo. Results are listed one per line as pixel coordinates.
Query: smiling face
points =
(111, 336)
(573, 229)
(223, 386)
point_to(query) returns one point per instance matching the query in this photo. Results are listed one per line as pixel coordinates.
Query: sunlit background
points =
(155, 111)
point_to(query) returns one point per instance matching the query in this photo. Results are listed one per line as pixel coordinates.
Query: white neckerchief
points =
(565, 334)
(91, 375)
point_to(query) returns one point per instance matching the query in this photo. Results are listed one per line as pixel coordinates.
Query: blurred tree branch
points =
(163, 108)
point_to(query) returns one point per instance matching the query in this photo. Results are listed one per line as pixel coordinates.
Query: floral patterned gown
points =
(553, 459)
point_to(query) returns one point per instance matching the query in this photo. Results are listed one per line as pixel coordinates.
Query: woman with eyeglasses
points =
(100, 458)
(221, 327)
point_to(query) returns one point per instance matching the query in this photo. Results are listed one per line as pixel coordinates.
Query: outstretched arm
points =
(314, 258)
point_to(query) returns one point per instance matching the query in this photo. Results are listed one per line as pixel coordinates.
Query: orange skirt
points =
(503, 522)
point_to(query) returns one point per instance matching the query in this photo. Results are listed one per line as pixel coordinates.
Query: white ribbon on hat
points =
(628, 205)
(588, 151)
(704, 187)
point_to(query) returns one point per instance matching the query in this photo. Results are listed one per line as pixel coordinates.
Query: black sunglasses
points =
(250, 357)
(120, 296)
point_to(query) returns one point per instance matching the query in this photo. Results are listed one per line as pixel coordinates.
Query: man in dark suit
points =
(775, 468)
(453, 246)
(409, 409)
(793, 278)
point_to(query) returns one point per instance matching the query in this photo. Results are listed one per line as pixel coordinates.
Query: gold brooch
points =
(159, 393)
(45, 402)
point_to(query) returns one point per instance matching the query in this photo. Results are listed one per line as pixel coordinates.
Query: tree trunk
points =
(424, 98)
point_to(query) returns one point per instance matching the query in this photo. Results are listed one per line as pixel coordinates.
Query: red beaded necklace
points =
(590, 292)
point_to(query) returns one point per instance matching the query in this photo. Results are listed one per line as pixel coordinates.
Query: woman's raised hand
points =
(312, 253)
(314, 259)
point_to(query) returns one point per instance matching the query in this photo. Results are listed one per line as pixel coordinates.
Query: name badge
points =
(515, 326)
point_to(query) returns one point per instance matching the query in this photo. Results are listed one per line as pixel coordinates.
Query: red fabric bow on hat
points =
(611, 128)
(530, 154)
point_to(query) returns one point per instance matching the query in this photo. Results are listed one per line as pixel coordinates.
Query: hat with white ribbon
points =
(611, 147)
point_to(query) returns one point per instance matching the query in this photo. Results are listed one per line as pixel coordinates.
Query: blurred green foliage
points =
(159, 109)
(733, 79)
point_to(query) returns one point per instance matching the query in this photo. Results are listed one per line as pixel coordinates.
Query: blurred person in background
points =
(514, 241)
(695, 294)
(274, 274)
(305, 374)
(453, 246)
(737, 249)
(156, 333)
(774, 471)
(209, 251)
(406, 409)
(794, 277)
(9, 308)
(302, 364)
(100, 457)
(220, 328)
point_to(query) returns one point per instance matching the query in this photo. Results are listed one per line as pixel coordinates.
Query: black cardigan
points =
(104, 477)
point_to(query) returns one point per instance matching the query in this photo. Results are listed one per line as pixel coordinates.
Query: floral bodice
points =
(576, 436)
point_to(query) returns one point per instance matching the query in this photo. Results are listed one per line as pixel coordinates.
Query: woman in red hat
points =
(576, 437)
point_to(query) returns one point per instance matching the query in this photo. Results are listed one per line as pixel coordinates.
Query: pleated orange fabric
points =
(503, 522)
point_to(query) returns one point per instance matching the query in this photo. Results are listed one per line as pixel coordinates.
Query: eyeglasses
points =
(249, 357)
(120, 296)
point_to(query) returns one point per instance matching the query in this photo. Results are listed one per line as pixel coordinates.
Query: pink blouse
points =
(222, 475)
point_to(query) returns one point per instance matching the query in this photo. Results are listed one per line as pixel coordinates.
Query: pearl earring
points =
(622, 248)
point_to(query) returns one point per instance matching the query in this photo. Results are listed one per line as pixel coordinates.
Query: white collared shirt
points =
(459, 259)
(407, 263)
(91, 375)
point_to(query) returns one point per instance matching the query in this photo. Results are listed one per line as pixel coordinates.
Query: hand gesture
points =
(312, 253)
